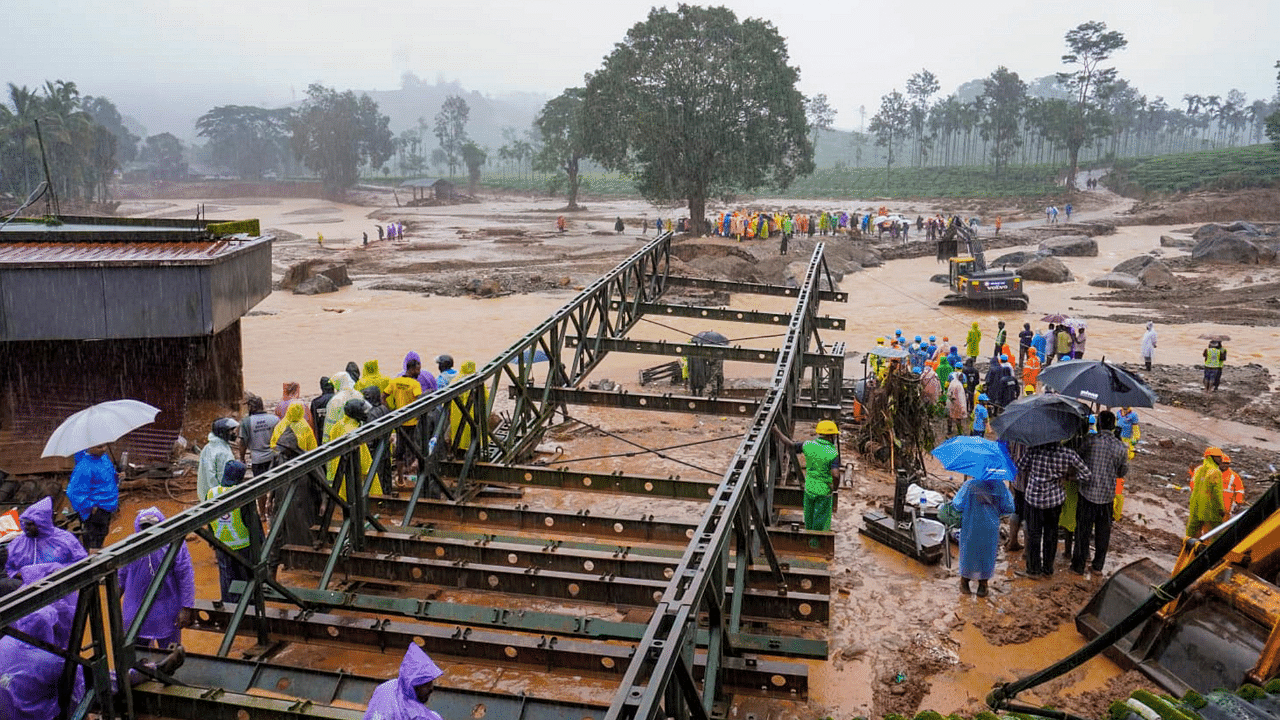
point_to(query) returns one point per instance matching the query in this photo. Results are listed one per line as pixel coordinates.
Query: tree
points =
(517, 148)
(1003, 98)
(473, 156)
(820, 115)
(1273, 120)
(451, 129)
(563, 139)
(920, 87)
(696, 101)
(890, 125)
(248, 140)
(104, 113)
(164, 153)
(335, 133)
(1090, 45)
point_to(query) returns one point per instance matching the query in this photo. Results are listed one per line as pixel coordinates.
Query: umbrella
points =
(1055, 318)
(974, 456)
(531, 356)
(709, 337)
(889, 352)
(98, 424)
(1041, 419)
(1219, 337)
(1097, 381)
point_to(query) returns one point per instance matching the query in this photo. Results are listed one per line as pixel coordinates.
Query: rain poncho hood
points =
(294, 419)
(65, 606)
(93, 484)
(52, 545)
(342, 427)
(213, 458)
(425, 379)
(177, 590)
(371, 377)
(396, 699)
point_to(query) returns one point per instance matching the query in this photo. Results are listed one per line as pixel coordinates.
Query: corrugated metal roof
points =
(17, 254)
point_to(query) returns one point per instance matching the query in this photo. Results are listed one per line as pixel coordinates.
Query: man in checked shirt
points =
(1045, 468)
(1108, 460)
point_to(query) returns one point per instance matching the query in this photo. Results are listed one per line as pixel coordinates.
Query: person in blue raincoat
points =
(982, 500)
(405, 697)
(94, 492)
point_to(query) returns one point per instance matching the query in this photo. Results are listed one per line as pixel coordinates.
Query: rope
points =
(654, 450)
(647, 450)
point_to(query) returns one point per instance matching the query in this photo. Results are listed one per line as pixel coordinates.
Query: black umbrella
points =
(709, 337)
(1040, 419)
(1097, 381)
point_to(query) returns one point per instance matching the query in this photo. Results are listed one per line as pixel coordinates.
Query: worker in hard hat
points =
(822, 472)
(1232, 485)
(1207, 510)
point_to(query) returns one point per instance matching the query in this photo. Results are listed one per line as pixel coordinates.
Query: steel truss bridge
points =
(720, 591)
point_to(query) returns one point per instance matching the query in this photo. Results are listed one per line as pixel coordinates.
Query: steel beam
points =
(747, 288)
(615, 561)
(730, 315)
(788, 538)
(735, 353)
(567, 586)
(549, 653)
(682, 403)
(671, 487)
(529, 621)
(220, 689)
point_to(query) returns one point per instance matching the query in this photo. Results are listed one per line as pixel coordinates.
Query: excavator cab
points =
(961, 268)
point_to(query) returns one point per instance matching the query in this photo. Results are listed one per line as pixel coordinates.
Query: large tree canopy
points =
(1090, 44)
(694, 101)
(560, 124)
(248, 140)
(334, 133)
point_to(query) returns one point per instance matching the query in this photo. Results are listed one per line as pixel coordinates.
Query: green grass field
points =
(1226, 169)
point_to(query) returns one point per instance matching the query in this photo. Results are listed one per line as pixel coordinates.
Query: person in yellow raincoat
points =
(973, 340)
(295, 419)
(459, 430)
(1207, 510)
(353, 415)
(371, 377)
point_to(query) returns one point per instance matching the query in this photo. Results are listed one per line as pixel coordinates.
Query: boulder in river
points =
(1070, 246)
(1157, 275)
(1123, 281)
(1046, 269)
(315, 285)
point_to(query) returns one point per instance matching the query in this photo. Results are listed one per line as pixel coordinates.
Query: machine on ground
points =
(1222, 632)
(971, 281)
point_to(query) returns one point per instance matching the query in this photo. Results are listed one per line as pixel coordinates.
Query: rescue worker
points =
(1130, 433)
(822, 472)
(1215, 356)
(973, 340)
(1031, 370)
(980, 415)
(1232, 487)
(405, 696)
(41, 541)
(1206, 509)
(239, 529)
(215, 455)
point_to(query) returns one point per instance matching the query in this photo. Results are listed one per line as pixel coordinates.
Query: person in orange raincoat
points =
(1031, 370)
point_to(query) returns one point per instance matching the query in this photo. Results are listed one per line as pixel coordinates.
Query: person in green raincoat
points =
(972, 341)
(944, 371)
(1207, 508)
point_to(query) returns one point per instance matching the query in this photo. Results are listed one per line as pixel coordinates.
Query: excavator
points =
(1221, 632)
(972, 282)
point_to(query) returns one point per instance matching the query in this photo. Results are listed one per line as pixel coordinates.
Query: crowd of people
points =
(762, 225)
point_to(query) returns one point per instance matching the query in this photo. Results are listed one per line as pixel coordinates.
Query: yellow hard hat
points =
(1030, 390)
(826, 427)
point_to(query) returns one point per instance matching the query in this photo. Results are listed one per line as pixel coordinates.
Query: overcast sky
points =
(267, 51)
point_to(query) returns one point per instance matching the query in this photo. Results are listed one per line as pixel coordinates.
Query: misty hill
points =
(489, 114)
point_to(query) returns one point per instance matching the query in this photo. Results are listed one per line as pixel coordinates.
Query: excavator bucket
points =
(1204, 645)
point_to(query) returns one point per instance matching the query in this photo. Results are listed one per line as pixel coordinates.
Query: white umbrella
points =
(98, 424)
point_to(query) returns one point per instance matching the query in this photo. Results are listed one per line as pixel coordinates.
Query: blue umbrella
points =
(974, 456)
(532, 356)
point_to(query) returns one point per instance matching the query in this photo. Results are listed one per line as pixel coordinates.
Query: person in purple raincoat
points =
(169, 613)
(405, 697)
(28, 675)
(40, 541)
(65, 606)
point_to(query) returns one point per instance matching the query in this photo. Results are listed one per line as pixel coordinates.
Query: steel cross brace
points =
(731, 315)
(714, 352)
(684, 403)
(747, 288)
(439, 518)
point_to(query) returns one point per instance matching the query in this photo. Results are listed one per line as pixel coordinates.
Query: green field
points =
(1226, 169)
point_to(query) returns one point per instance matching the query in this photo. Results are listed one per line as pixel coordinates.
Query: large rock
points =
(1133, 265)
(1231, 249)
(1122, 281)
(307, 269)
(1046, 269)
(1015, 259)
(1173, 242)
(315, 285)
(1070, 246)
(1157, 275)
(1215, 229)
